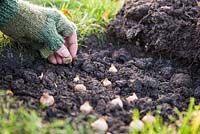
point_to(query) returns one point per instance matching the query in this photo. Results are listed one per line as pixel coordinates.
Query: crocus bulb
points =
(80, 87)
(113, 69)
(100, 125)
(86, 108)
(77, 78)
(106, 83)
(137, 125)
(117, 101)
(41, 76)
(132, 98)
(47, 99)
(67, 60)
(148, 119)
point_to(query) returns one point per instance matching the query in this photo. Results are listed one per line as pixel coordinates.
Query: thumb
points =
(63, 52)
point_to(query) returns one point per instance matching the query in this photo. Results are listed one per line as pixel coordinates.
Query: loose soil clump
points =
(156, 82)
(168, 28)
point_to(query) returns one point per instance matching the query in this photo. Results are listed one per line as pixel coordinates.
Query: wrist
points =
(45, 52)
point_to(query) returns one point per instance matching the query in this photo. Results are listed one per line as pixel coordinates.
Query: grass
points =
(187, 122)
(91, 16)
(4, 41)
(87, 13)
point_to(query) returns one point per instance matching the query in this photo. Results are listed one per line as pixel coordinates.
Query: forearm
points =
(22, 21)
(8, 10)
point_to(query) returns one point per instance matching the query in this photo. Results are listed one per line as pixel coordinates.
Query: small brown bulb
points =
(86, 108)
(148, 119)
(132, 98)
(117, 101)
(137, 125)
(113, 69)
(100, 125)
(77, 78)
(80, 87)
(47, 99)
(106, 83)
(67, 60)
(41, 76)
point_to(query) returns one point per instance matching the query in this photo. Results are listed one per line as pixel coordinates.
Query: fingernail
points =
(65, 53)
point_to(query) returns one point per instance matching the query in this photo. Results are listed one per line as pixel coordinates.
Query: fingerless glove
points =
(43, 28)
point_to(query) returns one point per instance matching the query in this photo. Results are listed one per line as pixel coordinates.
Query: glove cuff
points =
(45, 52)
(8, 10)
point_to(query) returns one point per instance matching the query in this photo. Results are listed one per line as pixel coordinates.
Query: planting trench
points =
(156, 81)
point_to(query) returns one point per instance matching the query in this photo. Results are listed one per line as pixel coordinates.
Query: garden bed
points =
(156, 82)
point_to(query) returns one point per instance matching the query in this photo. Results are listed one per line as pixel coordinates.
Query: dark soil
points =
(168, 28)
(156, 82)
(160, 27)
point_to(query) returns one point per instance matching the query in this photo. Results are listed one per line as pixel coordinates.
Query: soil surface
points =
(167, 28)
(156, 82)
(162, 27)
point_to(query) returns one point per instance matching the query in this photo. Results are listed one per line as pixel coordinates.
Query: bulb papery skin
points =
(80, 87)
(100, 125)
(86, 108)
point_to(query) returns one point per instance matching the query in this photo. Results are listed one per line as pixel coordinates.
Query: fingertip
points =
(53, 62)
(72, 44)
(63, 52)
(73, 50)
(58, 59)
(52, 59)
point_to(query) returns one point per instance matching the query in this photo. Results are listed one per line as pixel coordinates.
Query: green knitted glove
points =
(43, 28)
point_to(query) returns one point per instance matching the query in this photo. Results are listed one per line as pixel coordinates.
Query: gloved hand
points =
(71, 44)
(45, 29)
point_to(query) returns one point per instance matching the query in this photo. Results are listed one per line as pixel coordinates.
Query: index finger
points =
(72, 44)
